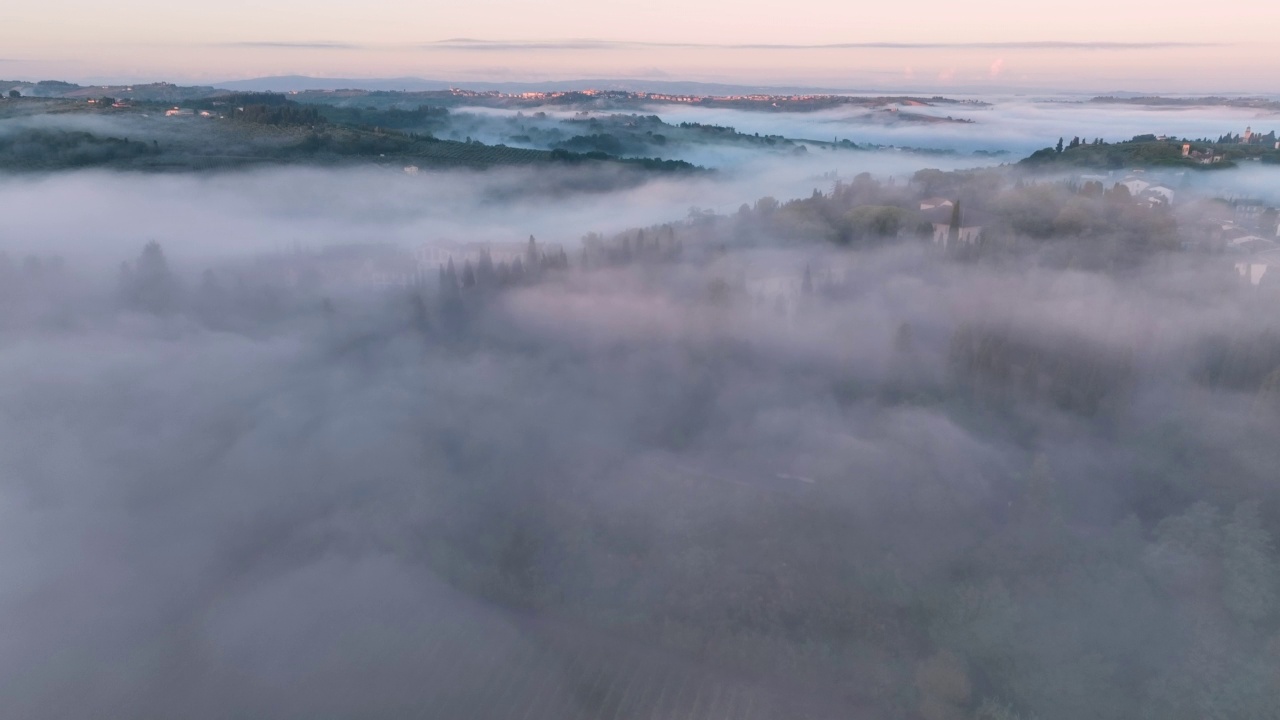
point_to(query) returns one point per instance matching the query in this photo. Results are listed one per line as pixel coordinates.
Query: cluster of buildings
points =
(560, 94)
(1251, 138)
(1245, 230)
(109, 102)
(186, 112)
(1204, 157)
(964, 226)
(1144, 191)
(1251, 235)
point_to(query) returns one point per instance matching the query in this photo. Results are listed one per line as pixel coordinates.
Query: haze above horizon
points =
(994, 43)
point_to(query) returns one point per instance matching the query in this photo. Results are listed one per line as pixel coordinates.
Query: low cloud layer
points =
(370, 509)
(703, 463)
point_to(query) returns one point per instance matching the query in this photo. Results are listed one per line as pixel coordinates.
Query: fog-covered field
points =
(775, 460)
(1019, 125)
(103, 215)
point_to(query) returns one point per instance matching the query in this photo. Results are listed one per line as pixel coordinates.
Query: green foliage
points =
(874, 221)
(234, 100)
(424, 117)
(62, 149)
(278, 114)
(1072, 375)
(148, 285)
(598, 142)
(1142, 151)
(1252, 578)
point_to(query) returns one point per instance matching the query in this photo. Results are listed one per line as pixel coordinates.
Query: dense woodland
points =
(1150, 151)
(266, 129)
(58, 149)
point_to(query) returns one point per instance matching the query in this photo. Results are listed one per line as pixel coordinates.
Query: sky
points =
(1088, 45)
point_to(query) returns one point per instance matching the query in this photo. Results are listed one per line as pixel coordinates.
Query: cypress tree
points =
(953, 233)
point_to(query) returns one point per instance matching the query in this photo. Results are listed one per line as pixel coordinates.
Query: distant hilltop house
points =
(1204, 157)
(931, 203)
(953, 224)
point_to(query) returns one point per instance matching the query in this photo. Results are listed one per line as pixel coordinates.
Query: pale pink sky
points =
(1088, 44)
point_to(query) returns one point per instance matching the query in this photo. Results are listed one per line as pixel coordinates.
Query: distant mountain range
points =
(286, 83)
(163, 91)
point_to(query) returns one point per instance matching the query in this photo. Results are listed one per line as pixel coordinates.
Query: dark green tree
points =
(147, 284)
(448, 279)
(486, 274)
(953, 232)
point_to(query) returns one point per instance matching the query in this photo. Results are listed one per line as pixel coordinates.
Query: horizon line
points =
(591, 44)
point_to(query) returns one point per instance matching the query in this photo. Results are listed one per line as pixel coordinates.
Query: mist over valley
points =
(457, 403)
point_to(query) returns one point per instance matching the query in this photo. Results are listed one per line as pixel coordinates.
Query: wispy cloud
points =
(278, 44)
(590, 44)
(523, 45)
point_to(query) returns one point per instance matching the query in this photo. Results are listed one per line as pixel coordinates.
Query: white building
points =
(1136, 186)
(1165, 193)
(968, 232)
(1258, 266)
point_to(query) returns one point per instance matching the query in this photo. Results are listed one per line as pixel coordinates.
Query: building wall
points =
(967, 235)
